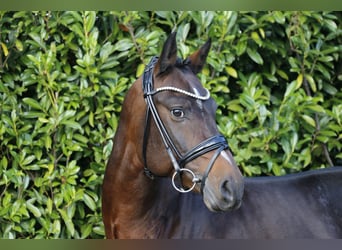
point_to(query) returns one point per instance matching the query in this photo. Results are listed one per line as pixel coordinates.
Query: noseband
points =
(217, 142)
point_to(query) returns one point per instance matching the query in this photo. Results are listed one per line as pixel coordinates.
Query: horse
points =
(171, 173)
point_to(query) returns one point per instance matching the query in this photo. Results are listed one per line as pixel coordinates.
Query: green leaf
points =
(123, 45)
(277, 170)
(232, 17)
(49, 205)
(309, 120)
(330, 89)
(311, 82)
(262, 114)
(327, 133)
(290, 89)
(285, 145)
(28, 160)
(316, 108)
(99, 230)
(306, 154)
(140, 70)
(90, 20)
(33, 209)
(255, 36)
(19, 45)
(89, 202)
(330, 24)
(325, 72)
(339, 156)
(234, 107)
(231, 71)
(279, 17)
(282, 74)
(77, 29)
(72, 124)
(241, 47)
(67, 114)
(38, 41)
(247, 101)
(56, 227)
(294, 141)
(68, 222)
(4, 162)
(86, 230)
(255, 56)
(109, 64)
(106, 50)
(4, 49)
(299, 81)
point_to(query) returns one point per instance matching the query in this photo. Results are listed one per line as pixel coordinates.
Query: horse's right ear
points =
(168, 56)
(198, 58)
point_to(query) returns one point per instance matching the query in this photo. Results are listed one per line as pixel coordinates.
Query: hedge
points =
(276, 77)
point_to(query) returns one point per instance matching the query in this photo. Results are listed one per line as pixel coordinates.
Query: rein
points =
(216, 142)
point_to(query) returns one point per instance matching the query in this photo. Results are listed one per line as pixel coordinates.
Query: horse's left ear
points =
(168, 56)
(198, 58)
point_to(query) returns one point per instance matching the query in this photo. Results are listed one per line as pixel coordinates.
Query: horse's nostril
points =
(226, 190)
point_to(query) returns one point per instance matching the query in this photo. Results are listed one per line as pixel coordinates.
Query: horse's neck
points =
(140, 204)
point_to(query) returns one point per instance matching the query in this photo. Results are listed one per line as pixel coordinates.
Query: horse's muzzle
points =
(226, 196)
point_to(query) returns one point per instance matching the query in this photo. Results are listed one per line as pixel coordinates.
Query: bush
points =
(63, 75)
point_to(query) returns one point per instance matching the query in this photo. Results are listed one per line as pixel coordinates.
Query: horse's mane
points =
(180, 62)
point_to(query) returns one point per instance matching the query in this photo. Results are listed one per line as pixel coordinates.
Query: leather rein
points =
(216, 142)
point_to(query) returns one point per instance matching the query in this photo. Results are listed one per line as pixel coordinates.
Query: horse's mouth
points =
(215, 204)
(222, 207)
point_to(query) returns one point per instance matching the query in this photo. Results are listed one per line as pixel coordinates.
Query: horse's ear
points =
(168, 56)
(198, 58)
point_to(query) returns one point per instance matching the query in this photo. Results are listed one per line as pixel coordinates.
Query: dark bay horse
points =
(171, 174)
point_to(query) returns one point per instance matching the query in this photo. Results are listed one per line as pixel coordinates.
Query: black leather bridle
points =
(216, 142)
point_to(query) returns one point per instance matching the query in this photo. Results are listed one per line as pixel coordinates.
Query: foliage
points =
(63, 75)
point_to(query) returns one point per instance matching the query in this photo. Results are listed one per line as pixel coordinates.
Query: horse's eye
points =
(177, 112)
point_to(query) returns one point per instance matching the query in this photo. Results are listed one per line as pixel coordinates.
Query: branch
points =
(318, 127)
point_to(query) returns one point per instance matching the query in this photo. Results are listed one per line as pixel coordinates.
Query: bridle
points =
(216, 142)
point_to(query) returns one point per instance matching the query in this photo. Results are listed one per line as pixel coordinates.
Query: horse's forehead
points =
(186, 80)
(198, 101)
(195, 86)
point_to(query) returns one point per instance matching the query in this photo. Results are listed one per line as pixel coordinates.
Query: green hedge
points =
(63, 75)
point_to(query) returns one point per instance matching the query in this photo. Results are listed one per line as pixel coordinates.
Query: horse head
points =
(181, 139)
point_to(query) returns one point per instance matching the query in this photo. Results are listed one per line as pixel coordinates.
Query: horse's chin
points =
(215, 204)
